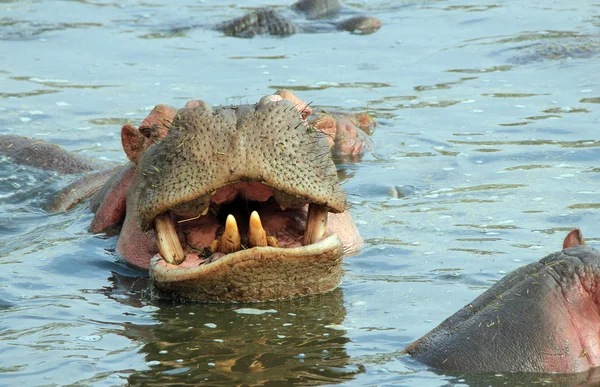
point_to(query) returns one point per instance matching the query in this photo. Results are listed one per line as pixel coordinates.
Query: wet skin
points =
(542, 318)
(316, 16)
(225, 204)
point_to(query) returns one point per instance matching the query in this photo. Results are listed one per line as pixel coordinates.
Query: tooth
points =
(257, 236)
(272, 241)
(316, 224)
(214, 246)
(168, 241)
(282, 207)
(230, 240)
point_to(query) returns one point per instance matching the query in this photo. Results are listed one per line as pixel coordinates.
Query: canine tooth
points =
(257, 236)
(316, 224)
(230, 240)
(282, 207)
(168, 241)
(272, 241)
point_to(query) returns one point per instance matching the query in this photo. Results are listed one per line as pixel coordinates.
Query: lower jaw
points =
(254, 275)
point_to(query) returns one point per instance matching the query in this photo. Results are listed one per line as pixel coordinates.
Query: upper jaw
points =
(255, 152)
(207, 150)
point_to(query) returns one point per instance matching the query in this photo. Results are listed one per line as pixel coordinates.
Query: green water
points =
(488, 117)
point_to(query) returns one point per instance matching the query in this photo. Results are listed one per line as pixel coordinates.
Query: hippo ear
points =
(303, 108)
(193, 103)
(133, 142)
(326, 125)
(574, 238)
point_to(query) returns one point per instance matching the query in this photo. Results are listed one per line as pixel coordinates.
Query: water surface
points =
(486, 155)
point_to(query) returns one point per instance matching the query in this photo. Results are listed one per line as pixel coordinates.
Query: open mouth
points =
(244, 216)
(238, 217)
(245, 246)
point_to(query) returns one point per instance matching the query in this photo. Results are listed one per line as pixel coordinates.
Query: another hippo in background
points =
(542, 318)
(235, 203)
(319, 16)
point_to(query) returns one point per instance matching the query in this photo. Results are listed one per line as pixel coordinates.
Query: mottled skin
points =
(26, 152)
(551, 46)
(43, 155)
(542, 318)
(269, 21)
(340, 128)
(580, 47)
(185, 162)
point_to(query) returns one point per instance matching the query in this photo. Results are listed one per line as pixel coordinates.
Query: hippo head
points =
(230, 204)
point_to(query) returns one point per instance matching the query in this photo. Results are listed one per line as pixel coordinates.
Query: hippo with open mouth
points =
(226, 204)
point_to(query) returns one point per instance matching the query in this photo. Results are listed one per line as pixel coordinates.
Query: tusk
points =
(168, 241)
(316, 224)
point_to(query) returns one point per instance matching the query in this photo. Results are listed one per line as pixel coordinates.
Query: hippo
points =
(553, 46)
(318, 14)
(541, 318)
(225, 204)
(575, 47)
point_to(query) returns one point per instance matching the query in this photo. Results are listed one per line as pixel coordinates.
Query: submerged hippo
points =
(318, 15)
(551, 46)
(576, 47)
(236, 203)
(543, 317)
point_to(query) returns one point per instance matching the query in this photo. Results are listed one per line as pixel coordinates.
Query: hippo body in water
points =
(316, 16)
(541, 318)
(227, 204)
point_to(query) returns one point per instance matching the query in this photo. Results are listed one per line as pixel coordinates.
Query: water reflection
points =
(24, 94)
(296, 342)
(563, 144)
(322, 85)
(446, 85)
(59, 83)
(13, 29)
(492, 69)
(591, 378)
(503, 80)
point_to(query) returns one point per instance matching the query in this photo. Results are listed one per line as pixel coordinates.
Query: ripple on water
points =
(457, 104)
